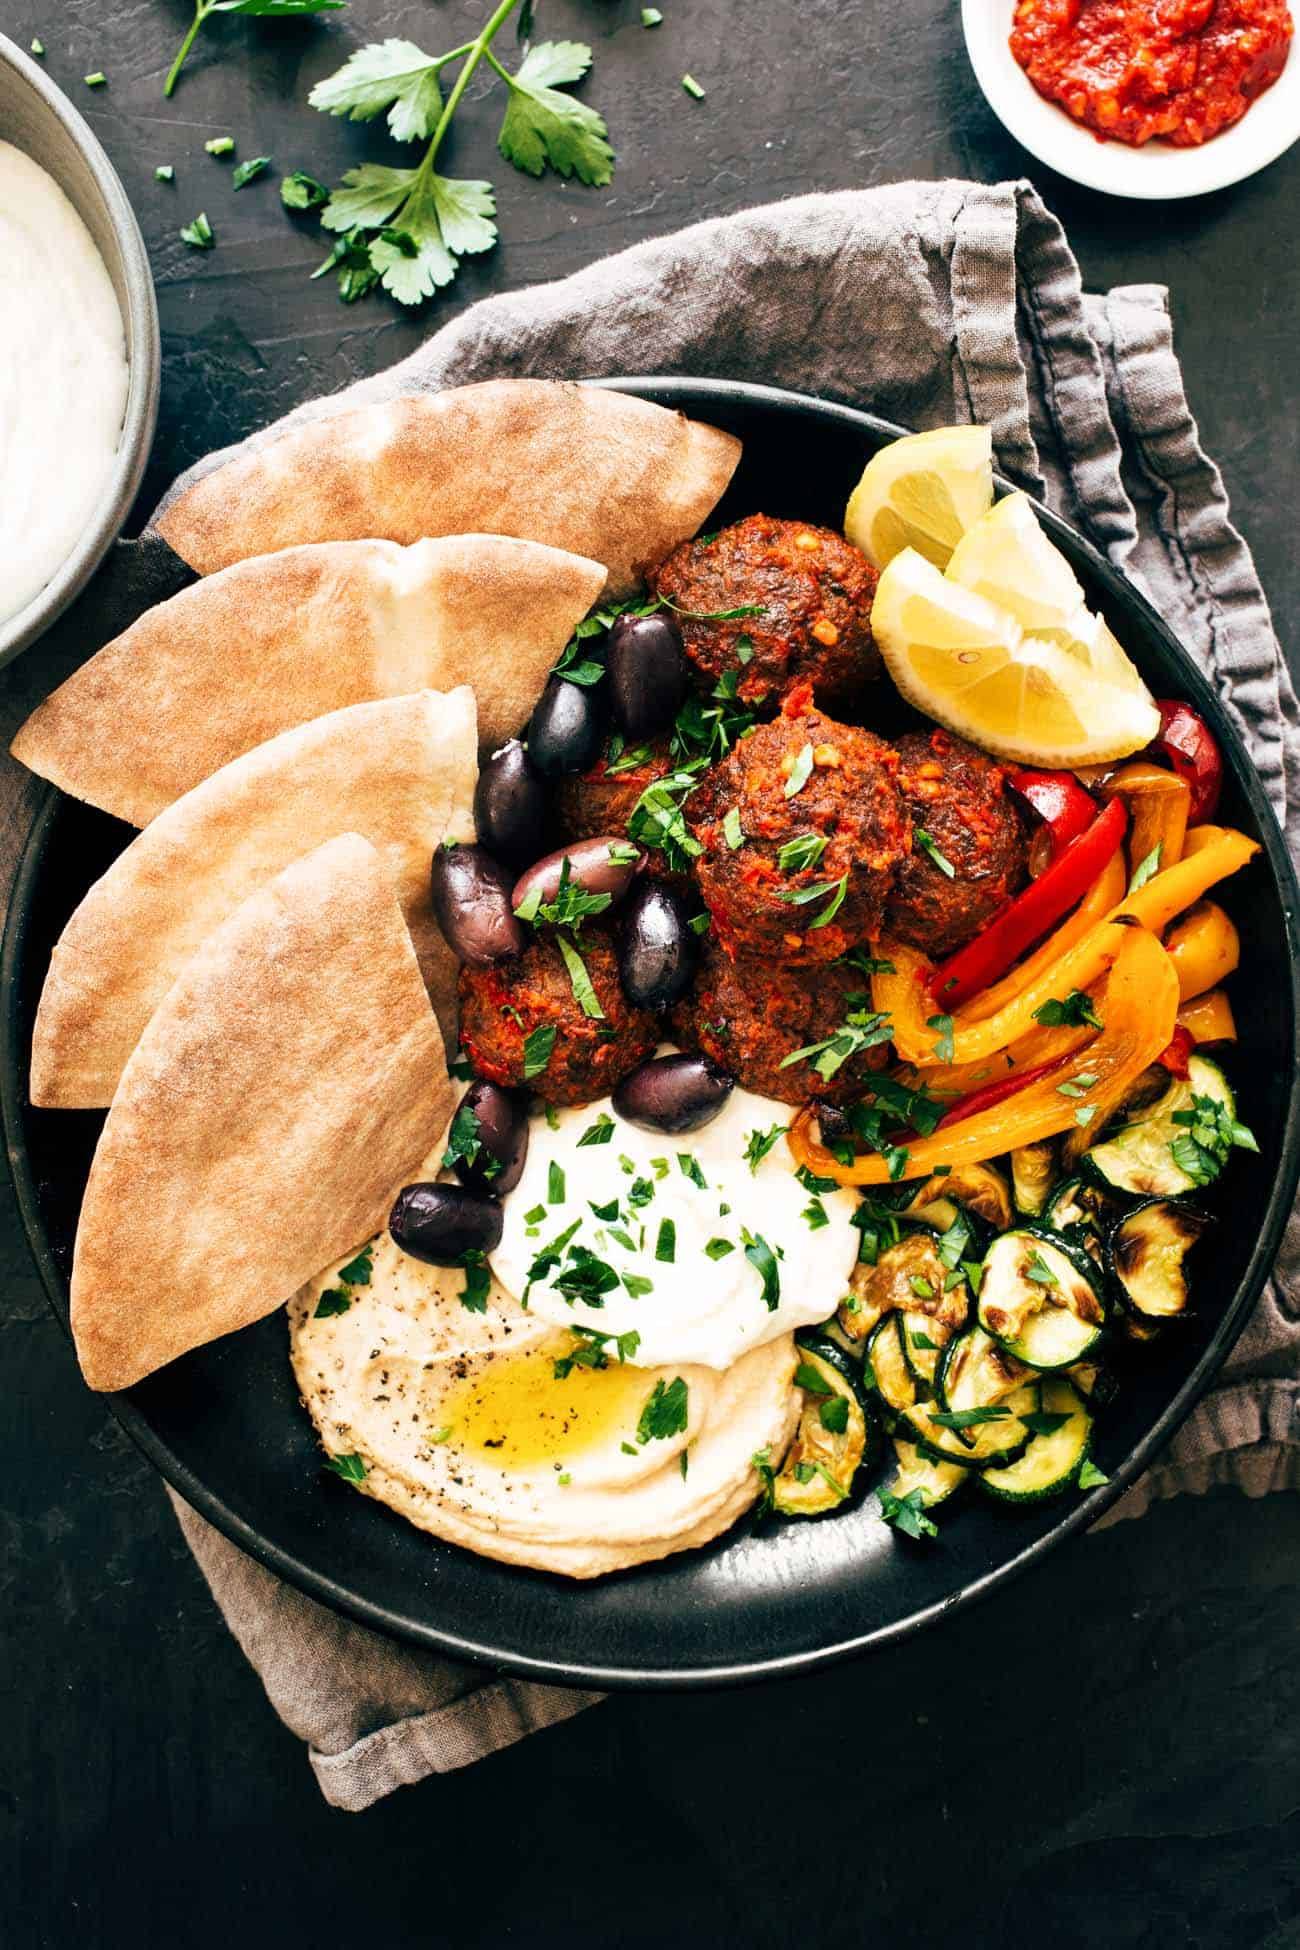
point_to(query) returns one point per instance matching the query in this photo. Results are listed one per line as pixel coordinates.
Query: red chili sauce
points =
(1182, 70)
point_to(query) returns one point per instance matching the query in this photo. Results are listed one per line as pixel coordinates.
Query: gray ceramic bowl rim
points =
(145, 362)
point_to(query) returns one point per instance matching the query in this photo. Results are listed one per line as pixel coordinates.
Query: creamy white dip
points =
(63, 378)
(687, 1286)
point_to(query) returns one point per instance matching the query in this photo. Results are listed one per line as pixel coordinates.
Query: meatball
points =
(815, 592)
(959, 803)
(748, 1016)
(603, 799)
(801, 831)
(502, 1005)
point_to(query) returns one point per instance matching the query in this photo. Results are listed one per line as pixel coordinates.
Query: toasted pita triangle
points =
(596, 472)
(400, 772)
(277, 641)
(291, 1077)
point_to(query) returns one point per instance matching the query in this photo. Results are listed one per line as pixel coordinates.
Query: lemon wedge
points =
(923, 492)
(968, 663)
(1006, 557)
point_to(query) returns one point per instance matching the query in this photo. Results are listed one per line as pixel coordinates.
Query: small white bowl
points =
(1157, 171)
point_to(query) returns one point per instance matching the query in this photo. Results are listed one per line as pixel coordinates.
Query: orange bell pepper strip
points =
(1209, 1018)
(1106, 892)
(1138, 1007)
(1204, 948)
(1158, 804)
(905, 996)
(1043, 1046)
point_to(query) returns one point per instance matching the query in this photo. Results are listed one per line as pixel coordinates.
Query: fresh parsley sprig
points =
(262, 9)
(408, 229)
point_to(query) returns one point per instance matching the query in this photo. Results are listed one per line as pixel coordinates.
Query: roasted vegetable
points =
(838, 1434)
(1041, 1297)
(1055, 1455)
(1147, 1255)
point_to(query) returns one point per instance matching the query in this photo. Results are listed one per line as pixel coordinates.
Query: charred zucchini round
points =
(1041, 1297)
(838, 1435)
(1056, 1452)
(1148, 1155)
(885, 1370)
(1147, 1255)
(937, 1480)
(976, 1418)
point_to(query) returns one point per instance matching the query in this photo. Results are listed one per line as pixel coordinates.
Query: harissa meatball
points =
(961, 810)
(801, 831)
(502, 1005)
(603, 798)
(814, 590)
(748, 1016)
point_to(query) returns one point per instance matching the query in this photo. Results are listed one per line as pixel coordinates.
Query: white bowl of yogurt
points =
(79, 353)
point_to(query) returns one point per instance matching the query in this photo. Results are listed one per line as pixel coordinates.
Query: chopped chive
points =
(200, 236)
(96, 80)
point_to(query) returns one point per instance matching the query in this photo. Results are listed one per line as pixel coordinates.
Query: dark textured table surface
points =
(1107, 1754)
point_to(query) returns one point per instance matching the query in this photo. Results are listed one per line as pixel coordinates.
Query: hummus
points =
(458, 1420)
(63, 379)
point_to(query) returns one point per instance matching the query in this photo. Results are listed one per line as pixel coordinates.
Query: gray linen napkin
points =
(929, 303)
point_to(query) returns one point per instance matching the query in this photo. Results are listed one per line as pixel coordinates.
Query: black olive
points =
(564, 731)
(502, 1119)
(656, 950)
(441, 1223)
(604, 865)
(673, 1093)
(471, 903)
(647, 672)
(510, 805)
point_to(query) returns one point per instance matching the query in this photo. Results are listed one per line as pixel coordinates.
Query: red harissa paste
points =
(1182, 70)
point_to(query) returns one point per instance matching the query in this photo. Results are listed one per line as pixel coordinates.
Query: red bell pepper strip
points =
(1174, 1056)
(1191, 748)
(1031, 913)
(1062, 804)
(995, 1093)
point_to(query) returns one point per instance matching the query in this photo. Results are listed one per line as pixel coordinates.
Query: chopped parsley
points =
(164, 173)
(478, 1282)
(247, 172)
(763, 1260)
(1146, 869)
(637, 1285)
(864, 963)
(302, 192)
(666, 1242)
(1040, 1421)
(692, 87)
(706, 730)
(732, 831)
(1209, 1133)
(811, 1380)
(555, 1187)
(640, 1191)
(1090, 1477)
(584, 993)
(658, 821)
(928, 845)
(944, 1047)
(802, 852)
(800, 772)
(221, 145)
(921, 1287)
(834, 1414)
(539, 1047)
(1077, 1009)
(1077, 1085)
(351, 1468)
(760, 1143)
(606, 1213)
(570, 905)
(811, 1182)
(465, 1143)
(719, 1248)
(815, 1215)
(585, 1277)
(665, 1412)
(336, 1300)
(689, 1166)
(861, 1030)
(907, 1513)
(1040, 1272)
(535, 1215)
(590, 1349)
(357, 1271)
(598, 1133)
(762, 1463)
(199, 235)
(803, 896)
(1084, 1115)
(969, 1418)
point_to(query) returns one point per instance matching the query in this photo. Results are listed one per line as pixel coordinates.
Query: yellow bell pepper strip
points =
(905, 994)
(1159, 803)
(1137, 1008)
(1043, 1047)
(1204, 949)
(1107, 891)
(1208, 1018)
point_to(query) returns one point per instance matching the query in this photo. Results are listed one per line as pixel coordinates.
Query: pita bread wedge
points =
(289, 1080)
(281, 639)
(596, 472)
(400, 772)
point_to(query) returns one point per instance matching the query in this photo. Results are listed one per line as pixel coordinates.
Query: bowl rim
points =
(144, 368)
(695, 395)
(1156, 172)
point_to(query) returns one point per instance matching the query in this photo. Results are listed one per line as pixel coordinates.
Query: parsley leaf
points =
(1077, 1009)
(266, 9)
(834, 1414)
(800, 771)
(357, 1271)
(929, 846)
(657, 819)
(1211, 1130)
(666, 1241)
(1090, 1477)
(395, 75)
(907, 1513)
(543, 126)
(862, 1029)
(689, 1166)
(718, 1248)
(1146, 869)
(335, 1300)
(732, 831)
(760, 1143)
(943, 1049)
(478, 1282)
(801, 853)
(351, 1468)
(426, 222)
(585, 1277)
(762, 1463)
(464, 1142)
(199, 235)
(584, 993)
(539, 1046)
(665, 1411)
(302, 192)
(1040, 1272)
(801, 896)
(763, 1260)
(815, 1215)
(598, 1133)
(246, 172)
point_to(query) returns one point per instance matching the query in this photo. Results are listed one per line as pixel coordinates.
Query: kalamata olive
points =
(673, 1093)
(833, 1124)
(564, 730)
(510, 805)
(648, 675)
(656, 950)
(471, 903)
(646, 668)
(441, 1223)
(600, 866)
(501, 1118)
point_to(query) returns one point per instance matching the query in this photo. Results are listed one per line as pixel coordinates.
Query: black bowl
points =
(224, 1424)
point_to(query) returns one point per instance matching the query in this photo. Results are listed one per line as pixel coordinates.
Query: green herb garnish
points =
(247, 172)
(199, 235)
(928, 845)
(539, 1046)
(800, 771)
(907, 1513)
(598, 1133)
(351, 1468)
(1077, 1009)
(665, 1412)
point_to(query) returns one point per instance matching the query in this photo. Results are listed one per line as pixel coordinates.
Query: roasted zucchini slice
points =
(1041, 1297)
(837, 1436)
(978, 1189)
(885, 1371)
(1147, 1254)
(1141, 1157)
(981, 1392)
(1081, 1212)
(936, 1480)
(1033, 1173)
(1055, 1454)
(910, 1277)
(925, 1338)
(1096, 1384)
